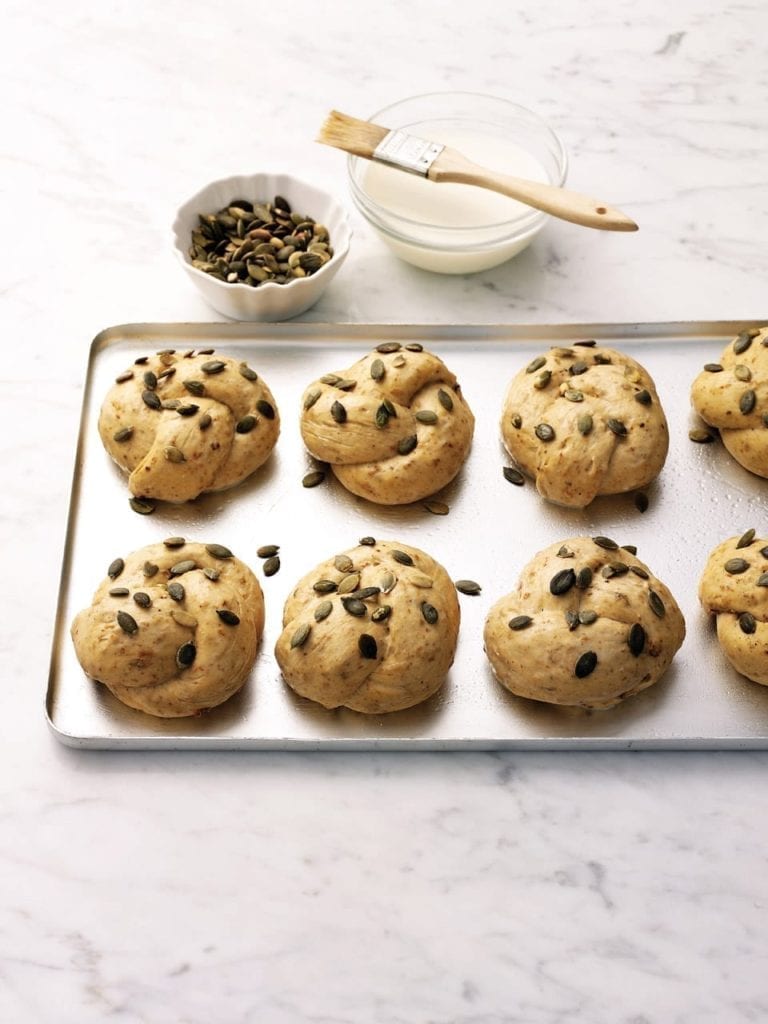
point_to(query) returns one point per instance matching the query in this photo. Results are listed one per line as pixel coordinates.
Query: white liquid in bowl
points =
(433, 209)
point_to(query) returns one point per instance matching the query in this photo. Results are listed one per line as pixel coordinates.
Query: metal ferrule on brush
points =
(408, 152)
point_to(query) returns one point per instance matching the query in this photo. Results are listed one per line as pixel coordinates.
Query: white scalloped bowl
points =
(269, 301)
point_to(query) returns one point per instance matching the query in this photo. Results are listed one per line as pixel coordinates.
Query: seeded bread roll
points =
(174, 628)
(732, 395)
(588, 625)
(394, 426)
(584, 421)
(373, 629)
(734, 588)
(182, 424)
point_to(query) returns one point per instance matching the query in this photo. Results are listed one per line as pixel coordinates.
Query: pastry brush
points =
(441, 163)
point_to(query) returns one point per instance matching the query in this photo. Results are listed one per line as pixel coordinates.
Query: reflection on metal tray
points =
(492, 530)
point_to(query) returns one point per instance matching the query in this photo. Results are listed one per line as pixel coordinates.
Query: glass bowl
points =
(459, 229)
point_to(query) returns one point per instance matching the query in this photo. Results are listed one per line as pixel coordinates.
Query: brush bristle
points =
(348, 133)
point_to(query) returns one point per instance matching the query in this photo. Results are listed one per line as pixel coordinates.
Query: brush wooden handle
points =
(560, 202)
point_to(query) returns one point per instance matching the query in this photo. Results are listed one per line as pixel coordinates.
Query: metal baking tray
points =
(491, 531)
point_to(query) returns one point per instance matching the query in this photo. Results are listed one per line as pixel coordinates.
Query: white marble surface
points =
(345, 889)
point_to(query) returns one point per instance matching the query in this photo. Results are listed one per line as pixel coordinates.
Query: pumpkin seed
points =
(572, 619)
(414, 346)
(353, 606)
(513, 475)
(736, 566)
(150, 380)
(388, 581)
(643, 397)
(587, 617)
(742, 373)
(742, 343)
(228, 617)
(324, 586)
(185, 655)
(381, 613)
(186, 565)
(542, 380)
(311, 397)
(565, 552)
(763, 580)
(614, 569)
(585, 344)
(265, 408)
(747, 402)
(545, 432)
(631, 548)
(747, 622)
(429, 612)
(115, 568)
(636, 639)
(520, 622)
(378, 369)
(247, 372)
(606, 543)
(764, 552)
(127, 623)
(388, 346)
(174, 454)
(468, 587)
(573, 396)
(586, 665)
(402, 557)
(323, 610)
(267, 550)
(123, 435)
(641, 501)
(205, 421)
(367, 542)
(171, 403)
(517, 421)
(119, 592)
(407, 444)
(151, 399)
(617, 427)
(212, 574)
(584, 578)
(445, 400)
(576, 369)
(330, 378)
(313, 478)
(349, 583)
(301, 635)
(562, 582)
(535, 364)
(437, 508)
(123, 377)
(366, 593)
(338, 412)
(602, 360)
(656, 604)
(174, 542)
(584, 424)
(426, 416)
(638, 570)
(745, 539)
(367, 646)
(701, 436)
(218, 551)
(187, 410)
(272, 565)
(343, 563)
(213, 366)
(142, 600)
(150, 569)
(245, 425)
(141, 361)
(421, 580)
(141, 505)
(713, 368)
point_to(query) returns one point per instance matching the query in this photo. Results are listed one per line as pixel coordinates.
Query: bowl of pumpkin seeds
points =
(261, 247)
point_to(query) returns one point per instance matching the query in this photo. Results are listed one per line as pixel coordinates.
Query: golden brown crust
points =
(584, 459)
(407, 654)
(735, 399)
(628, 627)
(734, 588)
(146, 662)
(223, 428)
(379, 445)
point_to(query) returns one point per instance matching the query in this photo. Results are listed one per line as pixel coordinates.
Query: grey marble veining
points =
(346, 889)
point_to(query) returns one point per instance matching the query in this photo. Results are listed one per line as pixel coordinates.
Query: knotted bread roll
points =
(588, 625)
(394, 426)
(732, 395)
(183, 424)
(373, 629)
(584, 421)
(734, 588)
(174, 628)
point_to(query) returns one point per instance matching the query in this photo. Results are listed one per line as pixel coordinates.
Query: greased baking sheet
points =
(492, 530)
